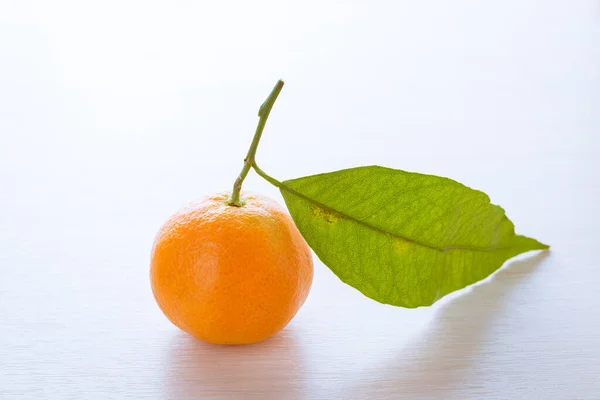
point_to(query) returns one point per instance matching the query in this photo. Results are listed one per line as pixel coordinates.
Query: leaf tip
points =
(540, 245)
(532, 244)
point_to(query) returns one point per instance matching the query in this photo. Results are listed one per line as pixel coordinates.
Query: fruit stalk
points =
(263, 114)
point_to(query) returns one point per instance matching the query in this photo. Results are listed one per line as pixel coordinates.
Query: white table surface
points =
(113, 115)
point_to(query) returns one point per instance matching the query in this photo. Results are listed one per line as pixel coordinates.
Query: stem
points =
(263, 114)
(266, 177)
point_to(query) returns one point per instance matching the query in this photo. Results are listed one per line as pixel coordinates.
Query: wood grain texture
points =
(114, 115)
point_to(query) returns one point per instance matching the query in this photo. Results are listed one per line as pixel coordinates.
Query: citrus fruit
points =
(230, 274)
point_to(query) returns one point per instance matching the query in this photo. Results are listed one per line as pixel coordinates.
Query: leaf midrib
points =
(283, 186)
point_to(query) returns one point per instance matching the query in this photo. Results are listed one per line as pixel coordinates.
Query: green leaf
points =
(402, 238)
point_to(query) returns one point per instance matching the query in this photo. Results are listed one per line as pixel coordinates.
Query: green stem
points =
(266, 177)
(263, 114)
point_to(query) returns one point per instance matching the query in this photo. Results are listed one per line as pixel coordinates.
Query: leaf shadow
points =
(272, 369)
(442, 363)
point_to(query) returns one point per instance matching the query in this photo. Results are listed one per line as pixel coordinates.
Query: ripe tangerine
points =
(228, 274)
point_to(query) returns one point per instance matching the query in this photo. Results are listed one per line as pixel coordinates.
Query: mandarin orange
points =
(230, 275)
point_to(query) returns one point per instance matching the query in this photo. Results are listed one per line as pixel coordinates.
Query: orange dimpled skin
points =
(231, 275)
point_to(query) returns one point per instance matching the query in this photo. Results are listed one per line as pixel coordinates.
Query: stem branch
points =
(266, 177)
(263, 115)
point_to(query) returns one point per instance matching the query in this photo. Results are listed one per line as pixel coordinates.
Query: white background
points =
(114, 114)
